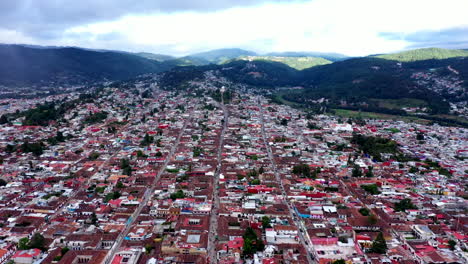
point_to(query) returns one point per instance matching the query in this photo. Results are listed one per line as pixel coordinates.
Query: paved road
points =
(302, 230)
(147, 196)
(214, 212)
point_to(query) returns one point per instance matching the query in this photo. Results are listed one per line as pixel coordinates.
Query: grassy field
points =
(400, 103)
(456, 118)
(279, 98)
(372, 115)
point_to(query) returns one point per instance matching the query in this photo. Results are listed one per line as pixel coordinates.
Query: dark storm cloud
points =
(47, 19)
(455, 38)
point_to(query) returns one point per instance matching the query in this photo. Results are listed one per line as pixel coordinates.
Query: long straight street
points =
(305, 241)
(214, 212)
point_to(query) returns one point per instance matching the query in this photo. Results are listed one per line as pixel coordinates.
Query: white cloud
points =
(349, 27)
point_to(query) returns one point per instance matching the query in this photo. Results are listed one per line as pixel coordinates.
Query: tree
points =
(419, 136)
(59, 137)
(371, 188)
(3, 119)
(284, 122)
(261, 170)
(266, 222)
(364, 211)
(248, 248)
(452, 244)
(125, 166)
(404, 205)
(356, 171)
(93, 156)
(369, 172)
(35, 148)
(23, 243)
(255, 182)
(251, 242)
(148, 248)
(37, 241)
(3, 182)
(340, 261)
(302, 169)
(177, 195)
(140, 154)
(379, 245)
(147, 140)
(111, 196)
(94, 219)
(64, 251)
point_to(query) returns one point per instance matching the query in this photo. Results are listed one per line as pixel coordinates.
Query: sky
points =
(181, 27)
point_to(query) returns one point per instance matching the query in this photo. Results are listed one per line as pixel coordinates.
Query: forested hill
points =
(20, 65)
(424, 54)
(298, 63)
(353, 83)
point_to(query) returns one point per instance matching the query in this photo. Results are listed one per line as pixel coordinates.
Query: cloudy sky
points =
(180, 27)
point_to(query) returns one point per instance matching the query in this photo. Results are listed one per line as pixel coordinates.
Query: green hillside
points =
(156, 57)
(424, 54)
(326, 55)
(24, 65)
(298, 63)
(220, 55)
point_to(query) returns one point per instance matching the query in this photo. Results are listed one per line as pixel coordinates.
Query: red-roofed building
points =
(26, 256)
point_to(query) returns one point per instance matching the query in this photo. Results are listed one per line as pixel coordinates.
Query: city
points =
(145, 175)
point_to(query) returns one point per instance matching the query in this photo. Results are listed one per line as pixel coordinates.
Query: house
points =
(26, 256)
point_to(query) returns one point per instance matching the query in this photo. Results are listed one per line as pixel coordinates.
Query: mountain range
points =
(436, 77)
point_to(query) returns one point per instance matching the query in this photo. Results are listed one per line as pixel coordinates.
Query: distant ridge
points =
(424, 54)
(22, 65)
(220, 55)
(328, 56)
(298, 63)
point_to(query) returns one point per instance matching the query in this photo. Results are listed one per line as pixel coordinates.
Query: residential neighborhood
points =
(143, 175)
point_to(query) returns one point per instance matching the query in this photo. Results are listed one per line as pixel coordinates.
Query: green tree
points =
(60, 137)
(266, 222)
(379, 245)
(419, 136)
(23, 243)
(177, 195)
(140, 154)
(255, 182)
(356, 171)
(404, 205)
(147, 140)
(370, 172)
(37, 241)
(64, 251)
(452, 244)
(3, 182)
(284, 122)
(94, 219)
(302, 169)
(364, 211)
(371, 188)
(111, 196)
(93, 156)
(261, 170)
(252, 243)
(3, 119)
(125, 166)
(340, 261)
